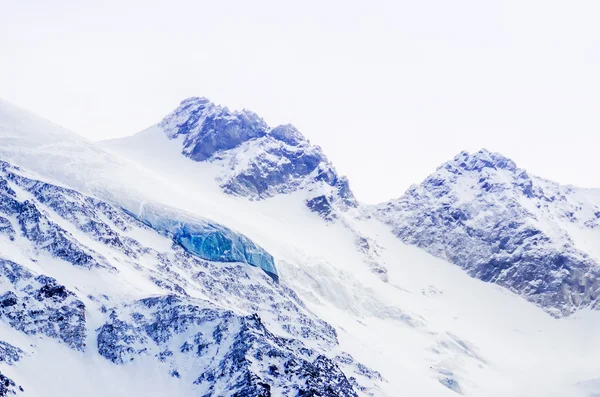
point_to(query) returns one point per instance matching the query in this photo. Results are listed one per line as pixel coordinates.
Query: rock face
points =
(502, 225)
(37, 304)
(9, 354)
(286, 350)
(257, 161)
(242, 358)
(45, 234)
(209, 128)
(8, 387)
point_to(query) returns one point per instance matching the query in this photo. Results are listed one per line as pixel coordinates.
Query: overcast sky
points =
(390, 90)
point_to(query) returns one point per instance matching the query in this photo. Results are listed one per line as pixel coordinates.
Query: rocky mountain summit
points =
(257, 161)
(503, 225)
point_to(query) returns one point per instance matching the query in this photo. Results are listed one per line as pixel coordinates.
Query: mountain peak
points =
(209, 128)
(483, 159)
(257, 161)
(190, 117)
(505, 226)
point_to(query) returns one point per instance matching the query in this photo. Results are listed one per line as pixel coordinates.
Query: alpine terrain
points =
(214, 255)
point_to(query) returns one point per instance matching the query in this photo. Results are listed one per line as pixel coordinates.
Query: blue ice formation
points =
(206, 239)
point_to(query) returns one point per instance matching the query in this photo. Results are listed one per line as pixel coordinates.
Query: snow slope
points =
(427, 328)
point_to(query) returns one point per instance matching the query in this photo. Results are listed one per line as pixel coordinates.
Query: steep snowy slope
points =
(502, 225)
(147, 303)
(158, 319)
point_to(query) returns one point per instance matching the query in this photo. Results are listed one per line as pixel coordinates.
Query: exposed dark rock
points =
(484, 214)
(275, 161)
(8, 387)
(244, 358)
(39, 305)
(9, 354)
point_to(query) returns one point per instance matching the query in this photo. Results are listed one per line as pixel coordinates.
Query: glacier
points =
(206, 239)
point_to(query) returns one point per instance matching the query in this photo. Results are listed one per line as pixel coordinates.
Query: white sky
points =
(390, 90)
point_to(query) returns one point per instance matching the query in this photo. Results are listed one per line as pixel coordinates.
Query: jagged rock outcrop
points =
(242, 358)
(38, 304)
(9, 354)
(8, 387)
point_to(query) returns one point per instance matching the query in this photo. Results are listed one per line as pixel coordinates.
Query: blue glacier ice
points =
(206, 239)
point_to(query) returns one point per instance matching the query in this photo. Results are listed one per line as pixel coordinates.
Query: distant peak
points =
(483, 159)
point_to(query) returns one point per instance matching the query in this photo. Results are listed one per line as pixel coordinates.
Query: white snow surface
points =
(430, 322)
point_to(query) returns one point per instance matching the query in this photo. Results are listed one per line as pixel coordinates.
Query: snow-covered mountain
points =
(185, 261)
(502, 225)
(253, 159)
(235, 353)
